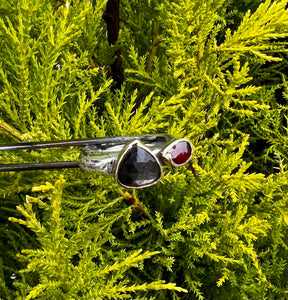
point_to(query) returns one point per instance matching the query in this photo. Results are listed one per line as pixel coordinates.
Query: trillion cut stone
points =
(139, 168)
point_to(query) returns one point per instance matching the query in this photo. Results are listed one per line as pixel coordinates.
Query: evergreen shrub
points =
(212, 71)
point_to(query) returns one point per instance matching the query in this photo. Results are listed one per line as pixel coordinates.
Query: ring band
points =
(103, 157)
(135, 164)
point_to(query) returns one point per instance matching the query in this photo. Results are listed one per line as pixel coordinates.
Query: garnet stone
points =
(138, 168)
(178, 153)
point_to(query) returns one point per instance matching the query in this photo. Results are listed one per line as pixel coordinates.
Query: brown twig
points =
(112, 19)
(134, 202)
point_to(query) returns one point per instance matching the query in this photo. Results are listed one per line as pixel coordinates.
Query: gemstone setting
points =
(178, 153)
(137, 166)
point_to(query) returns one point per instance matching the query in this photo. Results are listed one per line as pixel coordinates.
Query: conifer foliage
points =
(214, 72)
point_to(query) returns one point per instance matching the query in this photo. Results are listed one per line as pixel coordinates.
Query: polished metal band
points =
(103, 157)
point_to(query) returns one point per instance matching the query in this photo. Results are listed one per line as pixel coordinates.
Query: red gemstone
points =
(180, 152)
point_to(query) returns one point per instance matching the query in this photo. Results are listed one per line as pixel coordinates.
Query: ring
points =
(137, 163)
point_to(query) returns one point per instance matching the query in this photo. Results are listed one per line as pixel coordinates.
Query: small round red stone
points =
(180, 153)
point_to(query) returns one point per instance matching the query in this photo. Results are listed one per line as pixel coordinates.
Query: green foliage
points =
(210, 71)
(66, 265)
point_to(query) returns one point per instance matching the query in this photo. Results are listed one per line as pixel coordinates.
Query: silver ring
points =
(135, 164)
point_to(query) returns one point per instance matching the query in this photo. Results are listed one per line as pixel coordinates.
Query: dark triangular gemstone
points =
(139, 168)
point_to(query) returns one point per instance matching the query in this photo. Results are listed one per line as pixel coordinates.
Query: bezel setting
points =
(134, 156)
(171, 150)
